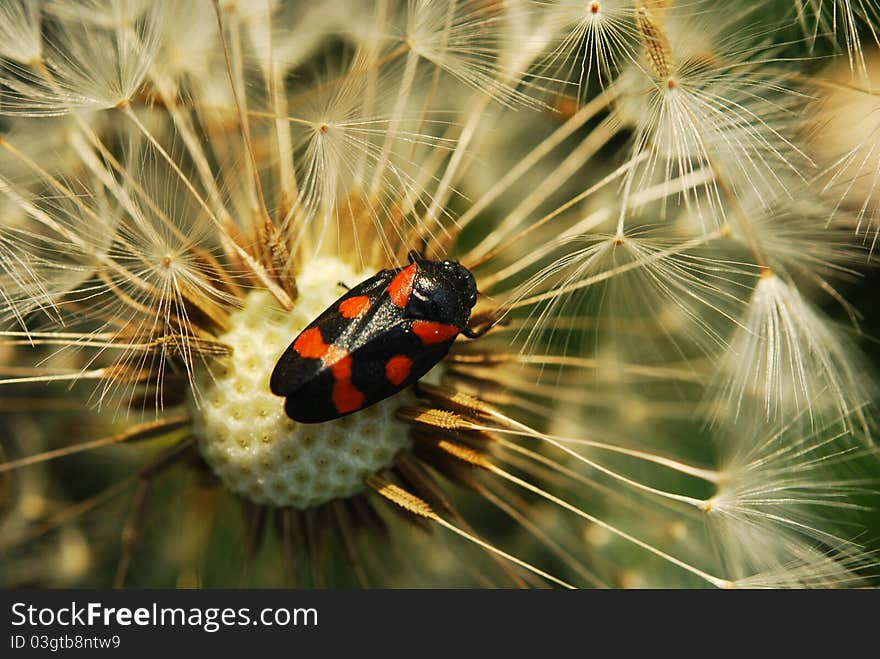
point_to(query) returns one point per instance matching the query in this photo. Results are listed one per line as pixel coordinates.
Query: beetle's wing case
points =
(391, 361)
(378, 338)
(292, 370)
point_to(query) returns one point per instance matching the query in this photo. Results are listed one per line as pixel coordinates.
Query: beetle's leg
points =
(482, 324)
(344, 285)
(414, 255)
(475, 333)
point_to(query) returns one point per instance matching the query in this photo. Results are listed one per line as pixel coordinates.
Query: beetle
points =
(378, 338)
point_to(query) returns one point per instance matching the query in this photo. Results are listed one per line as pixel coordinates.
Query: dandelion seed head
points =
(86, 63)
(660, 294)
(780, 487)
(20, 31)
(713, 108)
(802, 240)
(845, 142)
(244, 434)
(471, 42)
(650, 240)
(790, 358)
(591, 39)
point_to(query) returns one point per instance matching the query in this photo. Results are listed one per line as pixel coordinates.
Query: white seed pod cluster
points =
(248, 440)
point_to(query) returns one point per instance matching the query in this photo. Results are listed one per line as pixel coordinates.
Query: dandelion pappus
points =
(377, 339)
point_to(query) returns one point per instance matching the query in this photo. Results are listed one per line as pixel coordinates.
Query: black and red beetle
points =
(380, 337)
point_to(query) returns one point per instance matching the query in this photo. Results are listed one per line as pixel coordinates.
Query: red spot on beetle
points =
(346, 397)
(397, 369)
(400, 287)
(354, 306)
(430, 332)
(310, 344)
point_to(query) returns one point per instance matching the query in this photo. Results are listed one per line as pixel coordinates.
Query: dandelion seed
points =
(598, 39)
(775, 534)
(710, 103)
(790, 359)
(464, 39)
(20, 31)
(845, 143)
(652, 276)
(85, 64)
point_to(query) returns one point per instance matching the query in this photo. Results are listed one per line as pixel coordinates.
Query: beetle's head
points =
(444, 291)
(463, 280)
